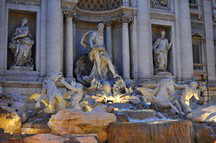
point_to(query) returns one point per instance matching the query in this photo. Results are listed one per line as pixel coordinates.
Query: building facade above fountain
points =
(131, 31)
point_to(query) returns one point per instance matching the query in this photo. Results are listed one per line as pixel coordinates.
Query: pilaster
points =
(209, 30)
(3, 48)
(145, 58)
(125, 50)
(109, 39)
(54, 36)
(69, 47)
(134, 50)
(186, 52)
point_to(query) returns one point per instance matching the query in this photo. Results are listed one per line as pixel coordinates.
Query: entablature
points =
(25, 2)
(123, 12)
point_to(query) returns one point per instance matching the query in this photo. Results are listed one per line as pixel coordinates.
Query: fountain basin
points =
(159, 131)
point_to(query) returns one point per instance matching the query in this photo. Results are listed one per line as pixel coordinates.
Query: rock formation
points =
(73, 122)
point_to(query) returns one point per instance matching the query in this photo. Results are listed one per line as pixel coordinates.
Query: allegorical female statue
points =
(21, 46)
(102, 65)
(161, 48)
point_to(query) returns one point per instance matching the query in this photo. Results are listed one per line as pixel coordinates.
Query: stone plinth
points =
(151, 132)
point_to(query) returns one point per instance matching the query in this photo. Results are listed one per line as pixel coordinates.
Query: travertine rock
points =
(10, 122)
(125, 116)
(204, 133)
(4, 138)
(49, 138)
(74, 122)
(37, 124)
(151, 132)
(206, 114)
(31, 129)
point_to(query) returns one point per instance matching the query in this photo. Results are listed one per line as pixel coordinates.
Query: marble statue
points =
(163, 95)
(102, 67)
(94, 39)
(190, 91)
(21, 46)
(166, 94)
(161, 48)
(148, 95)
(52, 97)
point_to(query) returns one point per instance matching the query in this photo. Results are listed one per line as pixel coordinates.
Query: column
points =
(54, 36)
(125, 50)
(134, 52)
(145, 57)
(43, 38)
(69, 47)
(3, 38)
(109, 39)
(209, 30)
(186, 52)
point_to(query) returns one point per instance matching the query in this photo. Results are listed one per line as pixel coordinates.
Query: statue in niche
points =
(21, 47)
(161, 48)
(102, 67)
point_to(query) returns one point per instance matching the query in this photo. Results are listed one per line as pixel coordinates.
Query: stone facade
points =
(131, 28)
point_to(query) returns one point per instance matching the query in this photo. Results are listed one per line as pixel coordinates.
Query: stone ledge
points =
(21, 84)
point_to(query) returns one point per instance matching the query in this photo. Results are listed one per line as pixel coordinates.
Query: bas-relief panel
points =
(160, 4)
(14, 20)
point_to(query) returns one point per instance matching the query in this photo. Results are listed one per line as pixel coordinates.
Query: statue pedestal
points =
(22, 68)
(162, 75)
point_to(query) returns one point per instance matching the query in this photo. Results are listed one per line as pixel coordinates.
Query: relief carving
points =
(160, 4)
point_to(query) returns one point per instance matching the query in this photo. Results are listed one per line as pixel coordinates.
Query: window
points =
(198, 53)
(193, 3)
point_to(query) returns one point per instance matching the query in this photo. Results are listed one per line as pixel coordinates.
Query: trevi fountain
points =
(106, 71)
